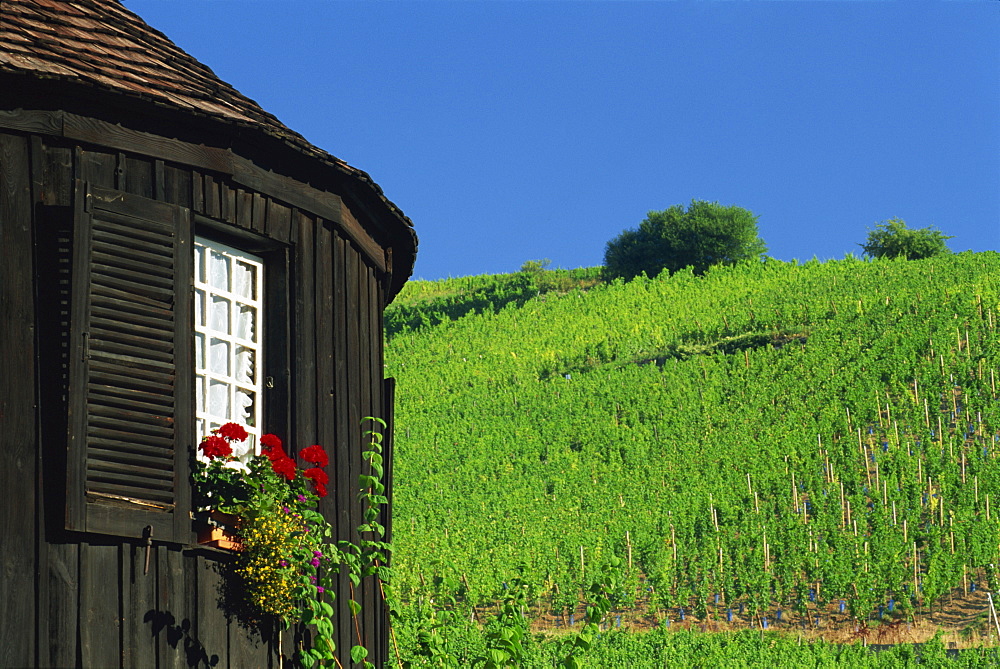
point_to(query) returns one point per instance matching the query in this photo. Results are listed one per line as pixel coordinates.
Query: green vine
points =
(368, 557)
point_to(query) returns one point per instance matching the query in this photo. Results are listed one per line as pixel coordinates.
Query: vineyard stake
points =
(993, 612)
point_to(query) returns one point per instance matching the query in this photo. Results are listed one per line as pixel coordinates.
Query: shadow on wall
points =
(165, 626)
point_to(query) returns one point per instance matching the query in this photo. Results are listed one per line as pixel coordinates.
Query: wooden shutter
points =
(130, 414)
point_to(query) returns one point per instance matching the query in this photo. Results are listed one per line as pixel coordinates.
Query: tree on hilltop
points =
(893, 239)
(706, 234)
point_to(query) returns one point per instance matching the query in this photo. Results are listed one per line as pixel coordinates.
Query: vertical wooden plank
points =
(52, 173)
(243, 201)
(388, 415)
(355, 388)
(100, 605)
(277, 362)
(305, 333)
(58, 567)
(159, 180)
(98, 168)
(58, 603)
(120, 171)
(139, 615)
(213, 627)
(369, 384)
(259, 216)
(18, 476)
(175, 607)
(227, 202)
(177, 188)
(139, 176)
(197, 192)
(213, 205)
(344, 491)
(279, 221)
(324, 279)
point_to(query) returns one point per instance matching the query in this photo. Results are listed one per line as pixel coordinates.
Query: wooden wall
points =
(96, 601)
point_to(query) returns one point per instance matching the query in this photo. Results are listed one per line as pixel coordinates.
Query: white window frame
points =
(223, 342)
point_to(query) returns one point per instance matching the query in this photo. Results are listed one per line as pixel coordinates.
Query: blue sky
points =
(511, 131)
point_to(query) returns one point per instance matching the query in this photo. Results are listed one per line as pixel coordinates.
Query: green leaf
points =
(354, 606)
(571, 663)
(358, 653)
(308, 658)
(324, 627)
(498, 657)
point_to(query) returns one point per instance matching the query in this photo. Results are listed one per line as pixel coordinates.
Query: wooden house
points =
(132, 182)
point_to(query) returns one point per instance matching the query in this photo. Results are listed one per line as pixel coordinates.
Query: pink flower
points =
(314, 562)
(320, 589)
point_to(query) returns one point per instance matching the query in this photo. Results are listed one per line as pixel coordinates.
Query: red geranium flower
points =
(271, 446)
(270, 441)
(319, 480)
(216, 447)
(233, 432)
(316, 455)
(317, 476)
(284, 467)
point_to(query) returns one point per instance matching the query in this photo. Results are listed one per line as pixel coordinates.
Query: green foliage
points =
(423, 304)
(665, 419)
(893, 239)
(706, 234)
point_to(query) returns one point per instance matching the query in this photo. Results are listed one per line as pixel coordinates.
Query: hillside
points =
(813, 438)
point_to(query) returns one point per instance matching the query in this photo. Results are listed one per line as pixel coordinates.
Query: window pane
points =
(220, 315)
(199, 352)
(245, 282)
(200, 316)
(199, 264)
(246, 400)
(219, 357)
(245, 322)
(219, 271)
(245, 363)
(218, 398)
(199, 391)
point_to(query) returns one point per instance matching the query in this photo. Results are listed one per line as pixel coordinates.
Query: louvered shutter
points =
(130, 415)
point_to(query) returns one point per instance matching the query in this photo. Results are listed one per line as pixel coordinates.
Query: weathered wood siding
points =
(103, 601)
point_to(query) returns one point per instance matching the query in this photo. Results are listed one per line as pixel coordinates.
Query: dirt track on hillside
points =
(962, 618)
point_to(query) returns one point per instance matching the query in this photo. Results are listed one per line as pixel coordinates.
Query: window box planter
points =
(219, 530)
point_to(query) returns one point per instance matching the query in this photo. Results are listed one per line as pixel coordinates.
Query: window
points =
(228, 292)
(166, 341)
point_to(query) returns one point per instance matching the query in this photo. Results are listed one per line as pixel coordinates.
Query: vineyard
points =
(774, 446)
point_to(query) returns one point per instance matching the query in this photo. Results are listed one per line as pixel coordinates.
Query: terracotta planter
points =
(220, 530)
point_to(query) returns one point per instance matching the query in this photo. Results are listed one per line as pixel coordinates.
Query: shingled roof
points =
(103, 45)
